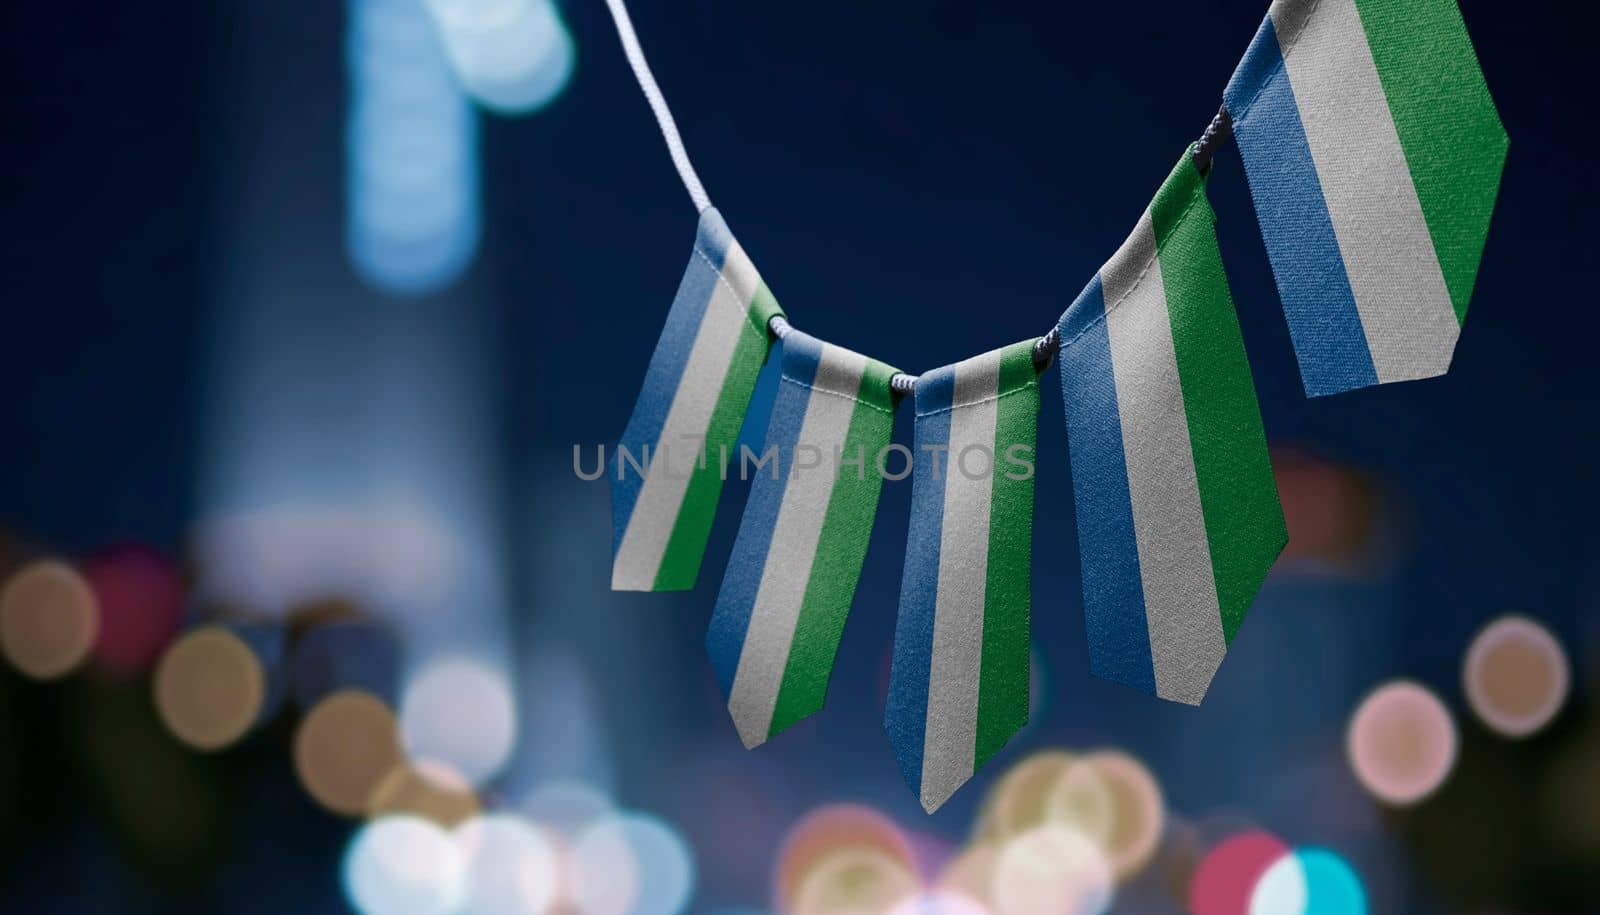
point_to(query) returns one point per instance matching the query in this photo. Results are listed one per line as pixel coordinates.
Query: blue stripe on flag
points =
(905, 716)
(1113, 590)
(671, 355)
(1312, 281)
(737, 599)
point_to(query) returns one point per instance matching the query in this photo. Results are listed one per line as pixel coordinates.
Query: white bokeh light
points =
(940, 902)
(1282, 889)
(404, 865)
(631, 864)
(460, 712)
(1051, 870)
(512, 869)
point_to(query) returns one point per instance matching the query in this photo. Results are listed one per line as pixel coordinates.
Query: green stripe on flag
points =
(1003, 670)
(1244, 522)
(841, 549)
(1454, 142)
(680, 563)
(763, 308)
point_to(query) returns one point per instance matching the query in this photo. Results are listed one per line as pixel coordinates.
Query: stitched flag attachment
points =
(667, 473)
(1178, 514)
(1374, 153)
(958, 684)
(793, 573)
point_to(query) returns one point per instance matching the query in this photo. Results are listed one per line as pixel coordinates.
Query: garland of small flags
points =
(1373, 152)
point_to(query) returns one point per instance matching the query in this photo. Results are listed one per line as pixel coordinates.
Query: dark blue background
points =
(920, 181)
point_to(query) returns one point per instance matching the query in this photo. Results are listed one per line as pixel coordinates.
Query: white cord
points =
(1043, 351)
(658, 104)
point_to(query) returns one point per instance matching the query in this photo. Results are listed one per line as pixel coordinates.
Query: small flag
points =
(1178, 515)
(958, 684)
(804, 536)
(1374, 153)
(668, 466)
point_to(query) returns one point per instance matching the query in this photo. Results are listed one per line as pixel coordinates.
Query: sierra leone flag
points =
(958, 683)
(793, 573)
(1374, 153)
(668, 466)
(1178, 515)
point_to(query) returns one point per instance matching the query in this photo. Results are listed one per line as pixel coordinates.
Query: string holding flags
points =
(1373, 152)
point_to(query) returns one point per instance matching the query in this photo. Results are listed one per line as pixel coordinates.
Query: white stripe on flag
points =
(1399, 288)
(795, 534)
(950, 743)
(644, 543)
(1180, 593)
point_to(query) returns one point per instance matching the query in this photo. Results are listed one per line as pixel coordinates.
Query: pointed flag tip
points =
(935, 798)
(1193, 701)
(749, 735)
(1191, 689)
(621, 582)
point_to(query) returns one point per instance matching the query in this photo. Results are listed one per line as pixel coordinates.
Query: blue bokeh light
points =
(511, 56)
(413, 210)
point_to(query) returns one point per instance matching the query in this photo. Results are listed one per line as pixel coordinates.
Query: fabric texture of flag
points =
(958, 683)
(798, 556)
(668, 466)
(1374, 152)
(1178, 514)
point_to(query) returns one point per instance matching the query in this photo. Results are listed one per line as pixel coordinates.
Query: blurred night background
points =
(307, 304)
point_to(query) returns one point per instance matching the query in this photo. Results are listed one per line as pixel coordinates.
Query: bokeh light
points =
(940, 902)
(566, 806)
(140, 594)
(412, 152)
(855, 881)
(1401, 743)
(401, 865)
(1051, 870)
(1081, 799)
(631, 864)
(1136, 811)
(48, 619)
(344, 748)
(1332, 513)
(828, 829)
(1309, 881)
(427, 788)
(1226, 878)
(210, 688)
(512, 868)
(512, 56)
(971, 873)
(460, 712)
(1020, 799)
(276, 561)
(1282, 889)
(1516, 676)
